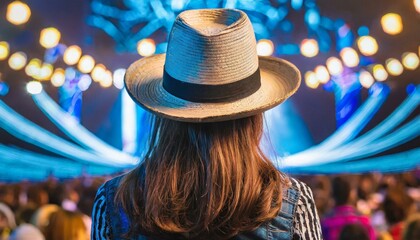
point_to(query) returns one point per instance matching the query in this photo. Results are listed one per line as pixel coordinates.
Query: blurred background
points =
(67, 124)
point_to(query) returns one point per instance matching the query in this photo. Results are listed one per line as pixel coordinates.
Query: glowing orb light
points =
(86, 64)
(265, 47)
(58, 78)
(417, 5)
(394, 67)
(410, 60)
(322, 74)
(72, 55)
(106, 80)
(45, 72)
(309, 47)
(18, 13)
(84, 82)
(98, 72)
(350, 57)
(146, 47)
(33, 68)
(334, 65)
(50, 37)
(379, 72)
(311, 80)
(118, 78)
(4, 50)
(367, 45)
(34, 87)
(17, 61)
(392, 23)
(366, 79)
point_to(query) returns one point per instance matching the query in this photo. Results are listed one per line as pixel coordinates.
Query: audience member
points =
(412, 228)
(27, 232)
(353, 231)
(7, 221)
(66, 225)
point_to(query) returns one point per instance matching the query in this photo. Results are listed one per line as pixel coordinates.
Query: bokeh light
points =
(322, 74)
(98, 72)
(58, 78)
(350, 57)
(18, 13)
(86, 64)
(84, 82)
(366, 79)
(50, 37)
(45, 72)
(106, 80)
(265, 47)
(4, 50)
(33, 68)
(17, 61)
(367, 45)
(410, 60)
(392, 23)
(394, 67)
(379, 72)
(34, 87)
(118, 78)
(72, 55)
(334, 65)
(146, 47)
(417, 5)
(311, 80)
(309, 47)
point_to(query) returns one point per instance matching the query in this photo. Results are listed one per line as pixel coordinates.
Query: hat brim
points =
(143, 81)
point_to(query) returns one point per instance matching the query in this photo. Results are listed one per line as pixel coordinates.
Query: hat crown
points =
(212, 47)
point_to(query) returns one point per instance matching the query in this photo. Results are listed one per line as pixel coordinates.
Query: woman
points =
(66, 225)
(204, 175)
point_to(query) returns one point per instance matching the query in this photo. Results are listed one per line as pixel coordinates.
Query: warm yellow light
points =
(394, 67)
(417, 5)
(392, 23)
(72, 55)
(146, 47)
(49, 37)
(334, 65)
(45, 72)
(322, 74)
(33, 68)
(379, 72)
(58, 78)
(410, 60)
(367, 45)
(311, 80)
(265, 47)
(98, 73)
(106, 80)
(366, 79)
(4, 50)
(309, 47)
(86, 64)
(350, 57)
(17, 61)
(34, 87)
(18, 13)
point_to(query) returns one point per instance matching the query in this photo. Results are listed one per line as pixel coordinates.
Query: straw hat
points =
(211, 71)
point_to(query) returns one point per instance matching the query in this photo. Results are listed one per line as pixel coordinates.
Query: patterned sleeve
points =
(306, 222)
(100, 228)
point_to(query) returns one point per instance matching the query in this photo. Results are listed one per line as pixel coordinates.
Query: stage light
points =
(106, 80)
(119, 78)
(350, 57)
(367, 45)
(146, 47)
(98, 72)
(379, 72)
(410, 60)
(334, 65)
(45, 71)
(366, 79)
(309, 47)
(33, 68)
(322, 74)
(17, 61)
(34, 87)
(84, 82)
(58, 78)
(394, 67)
(265, 47)
(50, 37)
(311, 80)
(86, 64)
(18, 13)
(417, 5)
(72, 55)
(391, 23)
(4, 50)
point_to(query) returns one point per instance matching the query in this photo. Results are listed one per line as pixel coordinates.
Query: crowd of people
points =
(369, 206)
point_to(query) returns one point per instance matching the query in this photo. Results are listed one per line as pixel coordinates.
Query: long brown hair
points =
(202, 181)
(66, 225)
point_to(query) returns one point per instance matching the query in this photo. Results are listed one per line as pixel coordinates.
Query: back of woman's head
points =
(66, 225)
(353, 231)
(207, 180)
(397, 205)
